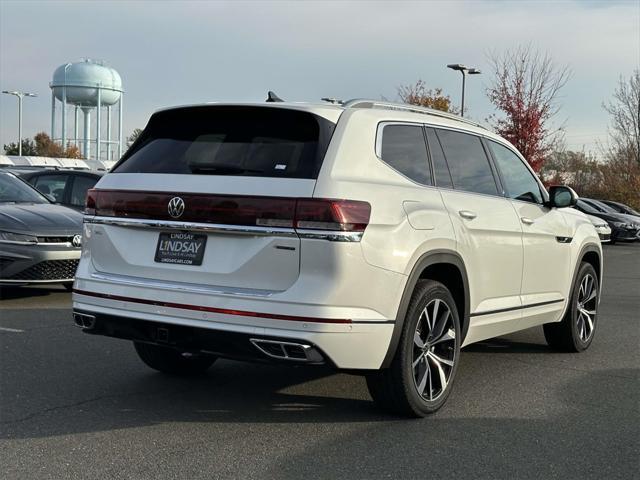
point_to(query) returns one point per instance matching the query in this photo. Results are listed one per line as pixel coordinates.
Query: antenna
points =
(272, 97)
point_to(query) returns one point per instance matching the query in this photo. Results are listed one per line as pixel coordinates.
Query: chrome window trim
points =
(180, 286)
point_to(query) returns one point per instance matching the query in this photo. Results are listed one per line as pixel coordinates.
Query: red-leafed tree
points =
(525, 86)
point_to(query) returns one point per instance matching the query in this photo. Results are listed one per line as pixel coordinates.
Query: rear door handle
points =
(526, 221)
(469, 215)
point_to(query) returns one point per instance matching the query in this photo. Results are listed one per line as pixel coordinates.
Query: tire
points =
(427, 351)
(172, 361)
(575, 332)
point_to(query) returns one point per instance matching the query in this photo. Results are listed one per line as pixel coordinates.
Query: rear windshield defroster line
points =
(231, 140)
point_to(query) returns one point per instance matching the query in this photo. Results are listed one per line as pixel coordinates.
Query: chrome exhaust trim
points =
(84, 320)
(291, 351)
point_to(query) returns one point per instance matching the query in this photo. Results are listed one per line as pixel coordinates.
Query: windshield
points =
(224, 140)
(602, 206)
(14, 190)
(586, 207)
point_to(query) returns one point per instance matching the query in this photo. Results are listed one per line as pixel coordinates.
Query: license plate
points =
(180, 248)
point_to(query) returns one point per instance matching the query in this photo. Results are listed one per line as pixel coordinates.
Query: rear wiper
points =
(222, 170)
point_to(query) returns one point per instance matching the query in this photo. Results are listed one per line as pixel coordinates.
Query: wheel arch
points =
(445, 266)
(592, 254)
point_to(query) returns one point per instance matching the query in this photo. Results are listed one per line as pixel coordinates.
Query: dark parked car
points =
(39, 241)
(66, 187)
(622, 228)
(620, 207)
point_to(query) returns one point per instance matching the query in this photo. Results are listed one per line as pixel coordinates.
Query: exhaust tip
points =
(83, 320)
(291, 351)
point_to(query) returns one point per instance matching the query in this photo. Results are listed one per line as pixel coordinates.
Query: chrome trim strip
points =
(191, 226)
(180, 286)
(332, 236)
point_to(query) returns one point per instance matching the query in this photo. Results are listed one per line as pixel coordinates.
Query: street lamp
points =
(20, 96)
(464, 70)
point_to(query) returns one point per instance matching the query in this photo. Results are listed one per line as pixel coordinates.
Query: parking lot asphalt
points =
(78, 406)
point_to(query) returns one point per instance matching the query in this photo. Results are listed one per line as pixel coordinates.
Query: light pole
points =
(20, 96)
(464, 70)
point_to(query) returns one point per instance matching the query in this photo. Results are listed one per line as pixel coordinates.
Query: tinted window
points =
(79, 191)
(13, 190)
(52, 185)
(468, 164)
(585, 207)
(602, 206)
(518, 180)
(440, 168)
(403, 148)
(250, 141)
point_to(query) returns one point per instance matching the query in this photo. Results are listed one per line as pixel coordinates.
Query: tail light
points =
(336, 215)
(275, 212)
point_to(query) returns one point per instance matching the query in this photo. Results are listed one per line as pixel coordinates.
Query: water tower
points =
(88, 86)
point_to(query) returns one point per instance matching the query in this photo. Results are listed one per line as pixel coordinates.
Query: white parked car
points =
(376, 238)
(602, 227)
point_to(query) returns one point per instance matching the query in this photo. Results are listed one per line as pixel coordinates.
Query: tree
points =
(419, 94)
(45, 147)
(28, 148)
(624, 109)
(524, 89)
(133, 137)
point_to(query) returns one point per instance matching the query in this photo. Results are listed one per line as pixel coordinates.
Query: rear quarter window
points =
(244, 141)
(404, 149)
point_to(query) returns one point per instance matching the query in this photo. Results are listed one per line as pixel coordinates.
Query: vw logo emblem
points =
(175, 207)
(76, 241)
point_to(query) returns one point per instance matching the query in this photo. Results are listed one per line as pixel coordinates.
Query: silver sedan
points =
(40, 242)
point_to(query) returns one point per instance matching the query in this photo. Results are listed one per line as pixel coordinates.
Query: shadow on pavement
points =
(14, 293)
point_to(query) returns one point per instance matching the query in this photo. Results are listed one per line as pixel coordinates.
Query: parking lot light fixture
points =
(463, 70)
(20, 96)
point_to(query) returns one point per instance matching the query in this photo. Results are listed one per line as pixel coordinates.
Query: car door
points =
(546, 273)
(488, 232)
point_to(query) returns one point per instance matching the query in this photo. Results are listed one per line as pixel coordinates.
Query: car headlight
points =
(10, 237)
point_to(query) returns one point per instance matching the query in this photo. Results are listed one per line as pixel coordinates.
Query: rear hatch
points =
(207, 196)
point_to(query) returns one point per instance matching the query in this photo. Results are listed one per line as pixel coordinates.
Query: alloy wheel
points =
(586, 311)
(434, 350)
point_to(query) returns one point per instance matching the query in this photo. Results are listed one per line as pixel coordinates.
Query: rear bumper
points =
(225, 344)
(347, 344)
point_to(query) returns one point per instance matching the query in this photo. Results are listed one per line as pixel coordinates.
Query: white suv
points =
(373, 237)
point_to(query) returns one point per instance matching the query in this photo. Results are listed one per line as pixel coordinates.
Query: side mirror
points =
(561, 196)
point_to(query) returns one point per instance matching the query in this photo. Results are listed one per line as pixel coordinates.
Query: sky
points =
(172, 53)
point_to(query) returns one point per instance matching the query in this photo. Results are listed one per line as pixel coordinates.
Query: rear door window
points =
(79, 190)
(236, 140)
(52, 185)
(404, 149)
(468, 162)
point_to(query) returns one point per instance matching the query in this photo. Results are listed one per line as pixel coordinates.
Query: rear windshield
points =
(216, 140)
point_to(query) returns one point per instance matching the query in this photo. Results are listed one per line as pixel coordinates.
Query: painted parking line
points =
(12, 330)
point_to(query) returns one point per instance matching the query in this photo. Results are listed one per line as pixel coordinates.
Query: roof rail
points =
(365, 103)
